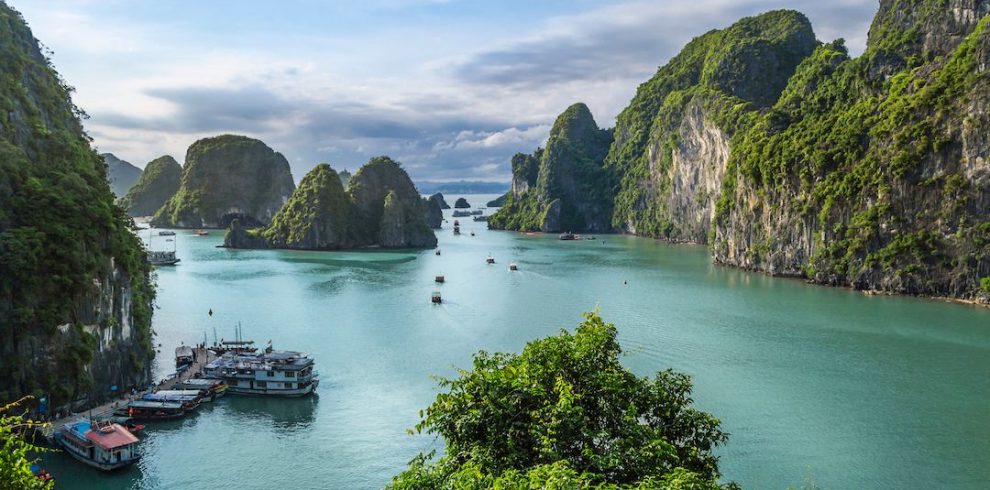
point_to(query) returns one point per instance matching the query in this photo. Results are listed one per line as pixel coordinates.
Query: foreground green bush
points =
(566, 414)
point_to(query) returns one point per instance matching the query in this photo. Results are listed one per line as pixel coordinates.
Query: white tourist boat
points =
(268, 373)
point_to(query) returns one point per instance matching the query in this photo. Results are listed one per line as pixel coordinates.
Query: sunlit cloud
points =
(451, 89)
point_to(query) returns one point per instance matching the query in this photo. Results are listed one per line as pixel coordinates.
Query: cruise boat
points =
(162, 257)
(166, 233)
(513, 266)
(268, 373)
(440, 279)
(435, 298)
(490, 260)
(155, 410)
(106, 445)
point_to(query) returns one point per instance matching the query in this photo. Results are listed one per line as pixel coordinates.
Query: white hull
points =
(243, 390)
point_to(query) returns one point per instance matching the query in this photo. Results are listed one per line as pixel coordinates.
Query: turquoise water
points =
(858, 391)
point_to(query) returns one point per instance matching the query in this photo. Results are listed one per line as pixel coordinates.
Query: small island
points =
(380, 208)
(461, 203)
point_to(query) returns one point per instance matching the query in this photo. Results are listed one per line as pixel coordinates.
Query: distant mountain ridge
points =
(462, 187)
(121, 175)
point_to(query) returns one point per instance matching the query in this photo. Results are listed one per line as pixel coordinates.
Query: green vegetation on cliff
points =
(227, 177)
(875, 161)
(730, 74)
(565, 413)
(319, 215)
(69, 263)
(380, 208)
(790, 157)
(572, 190)
(159, 182)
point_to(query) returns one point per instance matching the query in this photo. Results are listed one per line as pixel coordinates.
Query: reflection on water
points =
(284, 414)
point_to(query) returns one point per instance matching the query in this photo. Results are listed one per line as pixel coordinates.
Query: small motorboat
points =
(438, 252)
(472, 232)
(436, 299)
(490, 260)
(202, 232)
(439, 279)
(184, 355)
(155, 410)
(513, 266)
(166, 233)
(567, 236)
(129, 424)
(41, 473)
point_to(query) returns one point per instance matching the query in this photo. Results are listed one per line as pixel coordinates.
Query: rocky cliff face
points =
(225, 178)
(787, 156)
(672, 142)
(433, 211)
(158, 183)
(121, 175)
(868, 172)
(697, 169)
(438, 197)
(75, 295)
(389, 205)
(525, 171)
(572, 188)
(318, 216)
(879, 182)
(380, 208)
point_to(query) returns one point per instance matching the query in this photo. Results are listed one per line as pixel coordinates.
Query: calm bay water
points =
(858, 391)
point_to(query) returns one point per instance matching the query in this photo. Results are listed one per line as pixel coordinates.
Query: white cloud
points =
(449, 98)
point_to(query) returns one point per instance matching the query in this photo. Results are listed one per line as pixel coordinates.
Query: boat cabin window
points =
(271, 374)
(288, 385)
(262, 384)
(290, 374)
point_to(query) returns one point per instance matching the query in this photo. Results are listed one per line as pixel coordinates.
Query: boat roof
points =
(193, 393)
(167, 397)
(199, 382)
(183, 351)
(111, 436)
(264, 361)
(154, 404)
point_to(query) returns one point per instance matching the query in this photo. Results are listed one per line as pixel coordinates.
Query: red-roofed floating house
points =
(106, 446)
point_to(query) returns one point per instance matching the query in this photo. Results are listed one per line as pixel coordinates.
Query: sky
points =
(449, 88)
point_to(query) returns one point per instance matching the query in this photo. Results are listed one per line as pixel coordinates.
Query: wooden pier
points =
(202, 357)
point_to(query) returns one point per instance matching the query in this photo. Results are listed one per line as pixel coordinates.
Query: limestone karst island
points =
(627, 245)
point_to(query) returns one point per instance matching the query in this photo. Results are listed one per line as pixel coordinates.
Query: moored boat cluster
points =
(109, 441)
